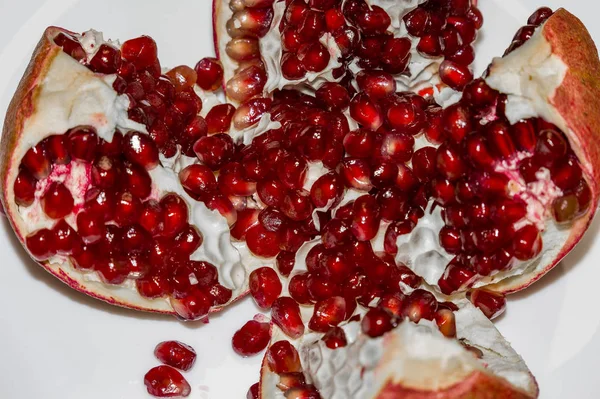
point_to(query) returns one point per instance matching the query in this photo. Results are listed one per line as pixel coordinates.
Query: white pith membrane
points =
(421, 72)
(71, 95)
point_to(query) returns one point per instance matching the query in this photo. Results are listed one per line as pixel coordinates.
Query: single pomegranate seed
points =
(263, 242)
(285, 312)
(550, 147)
(166, 382)
(420, 304)
(478, 152)
(209, 73)
(70, 46)
(253, 392)
(297, 205)
(82, 143)
(250, 112)
(90, 226)
(188, 240)
(307, 392)
(566, 173)
(232, 181)
(565, 209)
(424, 163)
(41, 245)
(265, 286)
(457, 122)
(65, 239)
(455, 277)
(193, 306)
(141, 51)
(393, 303)
(527, 243)
(365, 222)
(376, 322)
(219, 118)
(446, 322)
(112, 269)
(500, 139)
(37, 161)
(175, 212)
(214, 151)
(56, 149)
(57, 202)
(314, 57)
(326, 191)
(335, 338)
(492, 304)
(24, 188)
(356, 174)
(417, 21)
(450, 239)
(154, 285)
(197, 180)
(508, 211)
(127, 209)
(106, 60)
(376, 84)
(282, 357)
(246, 84)
(366, 112)
(141, 150)
(175, 354)
(328, 313)
(334, 96)
(251, 339)
(540, 16)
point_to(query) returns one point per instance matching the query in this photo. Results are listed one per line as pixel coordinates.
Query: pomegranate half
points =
(93, 141)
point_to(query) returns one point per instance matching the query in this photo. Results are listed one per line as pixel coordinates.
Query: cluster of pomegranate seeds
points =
(166, 381)
(119, 231)
(250, 21)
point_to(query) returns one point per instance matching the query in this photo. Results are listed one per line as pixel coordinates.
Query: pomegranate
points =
(370, 220)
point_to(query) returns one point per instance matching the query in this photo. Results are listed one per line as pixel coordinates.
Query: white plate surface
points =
(58, 344)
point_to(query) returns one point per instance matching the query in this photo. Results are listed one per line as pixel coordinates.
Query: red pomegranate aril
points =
(70, 46)
(154, 285)
(112, 269)
(551, 146)
(65, 239)
(141, 51)
(175, 354)
(384, 174)
(565, 209)
(246, 84)
(291, 171)
(282, 357)
(82, 143)
(334, 20)
(36, 160)
(292, 68)
(366, 112)
(298, 289)
(296, 205)
(41, 244)
(307, 392)
(24, 188)
(455, 75)
(127, 209)
(463, 56)
(492, 304)
(449, 162)
(312, 26)
(335, 338)
(429, 46)
(356, 174)
(359, 143)
(263, 242)
(420, 304)
(209, 73)
(507, 212)
(365, 222)
(395, 55)
(524, 135)
(246, 219)
(106, 60)
(450, 239)
(376, 84)
(175, 213)
(251, 339)
(335, 232)
(183, 77)
(56, 149)
(539, 16)
(328, 313)
(450, 40)
(219, 118)
(214, 151)
(446, 322)
(265, 286)
(188, 240)
(273, 220)
(166, 382)
(197, 180)
(105, 172)
(498, 134)
(326, 191)
(57, 202)
(457, 122)
(478, 94)
(566, 173)
(478, 153)
(253, 392)
(90, 226)
(334, 96)
(285, 312)
(529, 167)
(527, 243)
(405, 180)
(193, 306)
(376, 322)
(424, 163)
(393, 303)
(83, 257)
(321, 287)
(232, 182)
(250, 22)
(314, 57)
(373, 21)
(455, 277)
(151, 217)
(417, 21)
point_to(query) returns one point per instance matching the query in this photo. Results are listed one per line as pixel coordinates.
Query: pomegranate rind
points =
(577, 101)
(446, 371)
(21, 108)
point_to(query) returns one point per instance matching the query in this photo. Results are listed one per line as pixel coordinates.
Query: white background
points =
(58, 344)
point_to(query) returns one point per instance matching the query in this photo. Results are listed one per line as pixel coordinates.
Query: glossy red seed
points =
(328, 313)
(446, 322)
(527, 243)
(376, 322)
(282, 357)
(141, 51)
(253, 392)
(175, 354)
(193, 306)
(57, 202)
(166, 382)
(420, 304)
(492, 304)
(82, 143)
(24, 188)
(285, 312)
(214, 151)
(251, 339)
(175, 213)
(265, 286)
(263, 242)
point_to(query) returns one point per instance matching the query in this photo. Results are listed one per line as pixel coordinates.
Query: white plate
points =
(58, 344)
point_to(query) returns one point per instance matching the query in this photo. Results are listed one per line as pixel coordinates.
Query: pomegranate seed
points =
(420, 304)
(327, 191)
(253, 392)
(376, 322)
(175, 354)
(214, 151)
(365, 222)
(430, 46)
(41, 244)
(154, 285)
(457, 122)
(166, 382)
(307, 392)
(262, 242)
(550, 147)
(314, 57)
(188, 240)
(175, 213)
(478, 153)
(359, 143)
(356, 174)
(90, 226)
(334, 96)
(250, 22)
(335, 338)
(251, 339)
(36, 161)
(65, 238)
(506, 212)
(265, 286)
(376, 84)
(70, 46)
(223, 205)
(565, 209)
(393, 303)
(366, 112)
(193, 306)
(478, 94)
(141, 51)
(298, 289)
(527, 243)
(417, 21)
(57, 202)
(566, 173)
(250, 112)
(83, 257)
(540, 16)
(384, 174)
(232, 182)
(455, 277)
(106, 60)
(282, 357)
(297, 205)
(492, 304)
(328, 313)
(219, 118)
(450, 239)
(395, 55)
(197, 180)
(24, 188)
(311, 26)
(449, 162)
(446, 322)
(246, 84)
(285, 312)
(463, 56)
(396, 146)
(82, 143)
(112, 270)
(393, 231)
(56, 149)
(127, 209)
(424, 163)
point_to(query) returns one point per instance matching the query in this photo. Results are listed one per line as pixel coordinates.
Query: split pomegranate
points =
(344, 202)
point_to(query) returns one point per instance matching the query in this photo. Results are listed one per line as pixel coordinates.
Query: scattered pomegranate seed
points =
(252, 338)
(166, 382)
(175, 354)
(265, 286)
